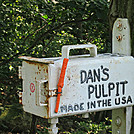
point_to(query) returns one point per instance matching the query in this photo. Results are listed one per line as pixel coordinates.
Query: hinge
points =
(20, 72)
(53, 93)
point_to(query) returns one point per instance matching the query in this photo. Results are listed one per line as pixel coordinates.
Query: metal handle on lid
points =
(66, 49)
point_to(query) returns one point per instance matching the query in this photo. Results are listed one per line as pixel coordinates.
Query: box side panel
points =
(94, 85)
(33, 75)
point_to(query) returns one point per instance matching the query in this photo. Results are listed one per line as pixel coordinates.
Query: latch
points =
(53, 93)
(40, 101)
(61, 82)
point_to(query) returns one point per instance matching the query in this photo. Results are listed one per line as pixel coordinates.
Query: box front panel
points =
(94, 85)
(35, 88)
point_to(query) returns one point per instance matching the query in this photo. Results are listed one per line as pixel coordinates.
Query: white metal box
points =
(91, 84)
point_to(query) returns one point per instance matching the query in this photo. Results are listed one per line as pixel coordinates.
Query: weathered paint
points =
(81, 91)
(75, 94)
(40, 60)
(121, 44)
(121, 37)
(33, 73)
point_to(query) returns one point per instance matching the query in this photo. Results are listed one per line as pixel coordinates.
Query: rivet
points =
(119, 37)
(119, 25)
(118, 121)
(118, 132)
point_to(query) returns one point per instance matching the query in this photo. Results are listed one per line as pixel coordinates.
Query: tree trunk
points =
(123, 9)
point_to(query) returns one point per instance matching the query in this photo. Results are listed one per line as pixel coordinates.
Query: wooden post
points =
(121, 45)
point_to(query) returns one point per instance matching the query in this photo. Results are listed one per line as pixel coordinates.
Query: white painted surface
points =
(66, 49)
(121, 28)
(123, 46)
(75, 94)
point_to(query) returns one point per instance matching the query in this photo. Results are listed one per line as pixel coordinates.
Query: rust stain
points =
(47, 101)
(47, 70)
(36, 73)
(42, 60)
(31, 62)
(44, 70)
(69, 78)
(41, 65)
(46, 93)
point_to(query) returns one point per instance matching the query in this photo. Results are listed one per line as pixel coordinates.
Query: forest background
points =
(39, 28)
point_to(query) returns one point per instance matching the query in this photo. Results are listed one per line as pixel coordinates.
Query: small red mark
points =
(32, 87)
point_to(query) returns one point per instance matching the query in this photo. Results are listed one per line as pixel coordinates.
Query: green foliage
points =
(40, 28)
(77, 125)
(14, 119)
(27, 26)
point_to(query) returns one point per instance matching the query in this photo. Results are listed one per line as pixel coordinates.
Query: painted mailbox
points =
(92, 83)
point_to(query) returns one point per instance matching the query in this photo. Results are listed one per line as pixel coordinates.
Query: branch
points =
(41, 37)
(33, 33)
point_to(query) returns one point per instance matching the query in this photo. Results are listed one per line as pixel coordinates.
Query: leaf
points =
(10, 67)
(45, 16)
